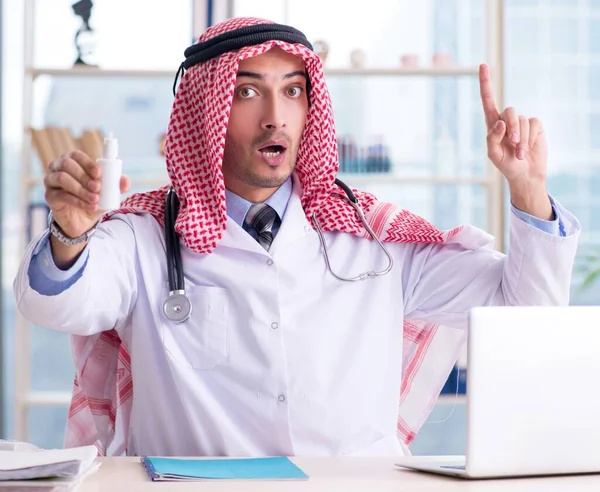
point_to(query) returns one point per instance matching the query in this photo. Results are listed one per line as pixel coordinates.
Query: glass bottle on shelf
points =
(348, 154)
(341, 144)
(352, 153)
(378, 160)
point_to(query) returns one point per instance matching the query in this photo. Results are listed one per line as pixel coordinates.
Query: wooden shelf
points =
(150, 181)
(383, 178)
(433, 71)
(48, 398)
(156, 181)
(98, 72)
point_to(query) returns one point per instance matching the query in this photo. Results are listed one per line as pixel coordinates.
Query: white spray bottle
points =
(112, 169)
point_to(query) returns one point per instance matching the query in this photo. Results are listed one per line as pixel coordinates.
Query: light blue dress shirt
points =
(237, 207)
(47, 279)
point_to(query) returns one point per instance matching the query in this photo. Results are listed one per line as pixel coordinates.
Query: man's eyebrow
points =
(251, 75)
(297, 73)
(258, 76)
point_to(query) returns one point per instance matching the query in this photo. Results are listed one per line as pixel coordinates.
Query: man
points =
(278, 356)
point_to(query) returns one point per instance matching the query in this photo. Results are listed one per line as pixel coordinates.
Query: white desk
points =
(331, 475)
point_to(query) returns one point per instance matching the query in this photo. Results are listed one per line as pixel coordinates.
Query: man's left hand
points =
(517, 146)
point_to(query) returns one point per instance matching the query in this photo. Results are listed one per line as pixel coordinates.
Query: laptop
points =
(533, 386)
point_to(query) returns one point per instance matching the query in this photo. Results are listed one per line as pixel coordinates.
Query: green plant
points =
(590, 269)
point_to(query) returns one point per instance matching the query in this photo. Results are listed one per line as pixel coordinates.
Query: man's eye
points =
(295, 91)
(246, 92)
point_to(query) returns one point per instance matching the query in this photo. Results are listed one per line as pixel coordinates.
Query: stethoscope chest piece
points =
(177, 307)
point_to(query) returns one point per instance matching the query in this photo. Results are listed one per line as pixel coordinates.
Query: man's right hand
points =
(73, 185)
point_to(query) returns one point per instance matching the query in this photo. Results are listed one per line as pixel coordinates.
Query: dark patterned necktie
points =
(262, 218)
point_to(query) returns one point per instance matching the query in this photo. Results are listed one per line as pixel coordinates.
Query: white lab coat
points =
(280, 358)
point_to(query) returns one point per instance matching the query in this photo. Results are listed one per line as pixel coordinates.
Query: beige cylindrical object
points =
(97, 141)
(91, 144)
(68, 140)
(56, 140)
(41, 142)
(86, 144)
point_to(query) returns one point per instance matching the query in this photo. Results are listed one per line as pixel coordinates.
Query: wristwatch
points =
(57, 232)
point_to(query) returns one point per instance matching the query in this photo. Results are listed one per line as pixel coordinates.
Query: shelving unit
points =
(25, 397)
(30, 181)
(96, 72)
(360, 72)
(363, 178)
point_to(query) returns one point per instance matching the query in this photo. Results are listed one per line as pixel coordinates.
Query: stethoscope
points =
(177, 306)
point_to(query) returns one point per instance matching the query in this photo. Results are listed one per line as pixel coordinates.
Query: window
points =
(560, 85)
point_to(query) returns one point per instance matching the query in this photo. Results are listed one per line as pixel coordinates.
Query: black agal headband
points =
(236, 39)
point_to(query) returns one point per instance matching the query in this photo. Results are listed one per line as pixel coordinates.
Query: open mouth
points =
(272, 150)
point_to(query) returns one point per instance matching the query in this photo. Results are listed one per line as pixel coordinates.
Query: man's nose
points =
(274, 117)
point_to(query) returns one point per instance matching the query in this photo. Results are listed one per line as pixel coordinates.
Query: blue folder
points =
(180, 469)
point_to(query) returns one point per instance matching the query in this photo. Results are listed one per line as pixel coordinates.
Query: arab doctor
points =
(257, 306)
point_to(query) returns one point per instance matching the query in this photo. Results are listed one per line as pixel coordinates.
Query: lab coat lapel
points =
(236, 237)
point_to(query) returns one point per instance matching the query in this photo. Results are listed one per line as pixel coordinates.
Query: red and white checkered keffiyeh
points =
(103, 388)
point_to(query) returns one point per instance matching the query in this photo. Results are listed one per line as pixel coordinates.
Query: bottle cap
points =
(110, 148)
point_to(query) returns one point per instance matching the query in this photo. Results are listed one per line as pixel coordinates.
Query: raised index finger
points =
(487, 97)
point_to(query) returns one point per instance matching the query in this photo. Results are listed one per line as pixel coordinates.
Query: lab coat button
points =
(269, 262)
(274, 325)
(281, 398)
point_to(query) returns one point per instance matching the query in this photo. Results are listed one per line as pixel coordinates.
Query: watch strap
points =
(59, 234)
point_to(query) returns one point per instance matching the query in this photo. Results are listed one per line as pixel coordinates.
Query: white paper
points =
(67, 463)
(6, 445)
(48, 485)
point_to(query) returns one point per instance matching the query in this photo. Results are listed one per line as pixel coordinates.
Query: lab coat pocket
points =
(201, 341)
